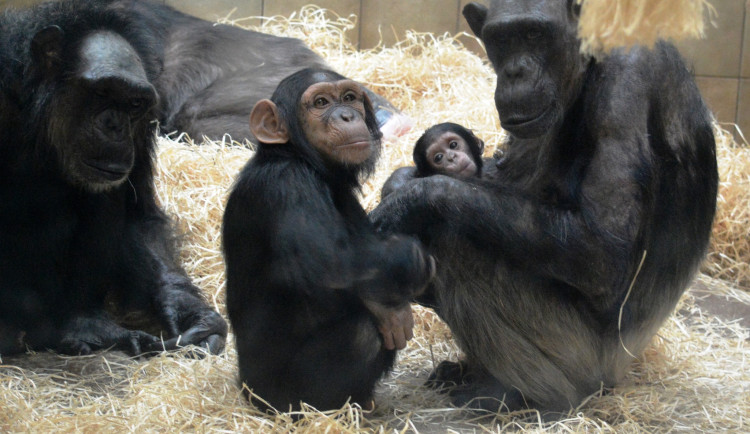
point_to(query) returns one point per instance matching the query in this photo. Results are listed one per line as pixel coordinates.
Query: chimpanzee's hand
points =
(426, 265)
(394, 323)
(411, 267)
(95, 331)
(206, 329)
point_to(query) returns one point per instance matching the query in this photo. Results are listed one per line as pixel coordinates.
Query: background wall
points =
(721, 61)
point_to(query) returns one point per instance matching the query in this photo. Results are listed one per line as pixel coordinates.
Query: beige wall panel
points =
(743, 110)
(746, 44)
(437, 16)
(720, 95)
(17, 3)
(213, 10)
(718, 55)
(343, 8)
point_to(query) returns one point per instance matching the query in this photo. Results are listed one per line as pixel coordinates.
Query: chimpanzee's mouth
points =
(521, 121)
(357, 144)
(528, 126)
(108, 171)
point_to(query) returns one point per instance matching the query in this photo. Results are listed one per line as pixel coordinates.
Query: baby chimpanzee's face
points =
(450, 154)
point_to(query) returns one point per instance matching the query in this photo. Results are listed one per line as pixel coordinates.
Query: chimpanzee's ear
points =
(266, 123)
(371, 120)
(46, 46)
(475, 15)
(574, 9)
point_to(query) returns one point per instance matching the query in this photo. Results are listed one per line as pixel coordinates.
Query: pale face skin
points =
(450, 154)
(334, 121)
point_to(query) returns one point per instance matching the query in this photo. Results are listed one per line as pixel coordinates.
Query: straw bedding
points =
(693, 377)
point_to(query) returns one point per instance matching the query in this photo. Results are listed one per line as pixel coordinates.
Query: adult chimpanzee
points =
(214, 74)
(80, 228)
(609, 180)
(446, 148)
(309, 282)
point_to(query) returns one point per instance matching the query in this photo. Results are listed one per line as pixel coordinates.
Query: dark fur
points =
(71, 242)
(301, 258)
(535, 264)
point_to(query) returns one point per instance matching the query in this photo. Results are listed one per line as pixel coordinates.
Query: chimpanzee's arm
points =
(398, 179)
(181, 308)
(318, 252)
(319, 249)
(520, 227)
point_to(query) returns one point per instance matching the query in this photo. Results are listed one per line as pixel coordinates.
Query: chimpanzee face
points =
(450, 154)
(533, 49)
(332, 115)
(324, 118)
(97, 108)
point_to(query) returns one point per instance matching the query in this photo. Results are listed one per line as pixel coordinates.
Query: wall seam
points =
(359, 27)
(458, 16)
(742, 57)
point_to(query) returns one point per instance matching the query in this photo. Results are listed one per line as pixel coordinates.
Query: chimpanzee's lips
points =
(528, 126)
(108, 171)
(464, 168)
(522, 121)
(357, 144)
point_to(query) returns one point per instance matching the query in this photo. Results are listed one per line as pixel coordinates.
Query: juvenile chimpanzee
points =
(80, 228)
(609, 180)
(447, 148)
(309, 282)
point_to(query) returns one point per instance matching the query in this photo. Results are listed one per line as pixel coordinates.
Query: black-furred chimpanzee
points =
(309, 282)
(80, 228)
(446, 148)
(609, 180)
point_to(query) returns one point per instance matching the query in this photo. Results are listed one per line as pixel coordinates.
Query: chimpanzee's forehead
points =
(504, 10)
(103, 52)
(335, 87)
(323, 76)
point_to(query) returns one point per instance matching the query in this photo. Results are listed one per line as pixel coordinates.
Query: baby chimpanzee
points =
(447, 149)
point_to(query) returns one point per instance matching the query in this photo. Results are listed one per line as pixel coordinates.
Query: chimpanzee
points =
(309, 282)
(554, 274)
(214, 74)
(447, 148)
(80, 229)
(210, 75)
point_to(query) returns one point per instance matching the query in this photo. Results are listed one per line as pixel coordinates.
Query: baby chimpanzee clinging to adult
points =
(445, 149)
